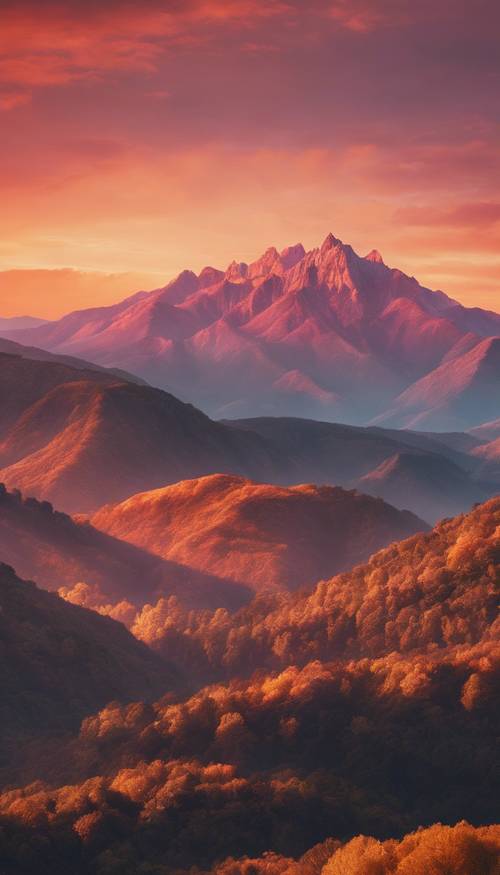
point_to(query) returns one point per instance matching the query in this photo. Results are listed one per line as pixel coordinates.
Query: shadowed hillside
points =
(61, 662)
(82, 438)
(435, 486)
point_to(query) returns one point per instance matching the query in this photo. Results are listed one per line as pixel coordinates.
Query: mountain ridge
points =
(357, 334)
(81, 438)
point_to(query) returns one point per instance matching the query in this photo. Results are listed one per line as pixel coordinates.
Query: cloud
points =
(166, 134)
(111, 206)
(13, 99)
(365, 16)
(75, 42)
(475, 214)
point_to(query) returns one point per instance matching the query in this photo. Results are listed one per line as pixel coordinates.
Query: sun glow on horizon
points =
(168, 137)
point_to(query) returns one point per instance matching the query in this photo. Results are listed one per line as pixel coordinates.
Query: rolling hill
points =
(83, 438)
(61, 553)
(433, 475)
(80, 438)
(263, 536)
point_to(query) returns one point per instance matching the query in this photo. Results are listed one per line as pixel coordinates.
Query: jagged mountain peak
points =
(237, 271)
(209, 276)
(362, 332)
(267, 264)
(176, 291)
(330, 242)
(290, 255)
(374, 256)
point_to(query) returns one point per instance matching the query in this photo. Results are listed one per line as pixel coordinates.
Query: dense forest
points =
(373, 711)
(427, 594)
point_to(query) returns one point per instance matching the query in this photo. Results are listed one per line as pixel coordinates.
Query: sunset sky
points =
(138, 139)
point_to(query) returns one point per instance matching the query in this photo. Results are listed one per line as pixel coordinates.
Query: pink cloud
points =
(374, 117)
(13, 99)
(480, 213)
(158, 94)
(72, 42)
(365, 16)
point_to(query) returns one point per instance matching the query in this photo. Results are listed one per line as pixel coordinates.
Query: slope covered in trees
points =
(278, 763)
(61, 662)
(427, 593)
(375, 711)
(460, 850)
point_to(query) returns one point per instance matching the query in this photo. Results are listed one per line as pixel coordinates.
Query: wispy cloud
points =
(13, 99)
(76, 41)
(365, 16)
(482, 214)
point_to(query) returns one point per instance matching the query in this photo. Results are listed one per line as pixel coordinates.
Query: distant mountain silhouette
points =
(325, 334)
(435, 487)
(11, 347)
(341, 453)
(460, 393)
(489, 455)
(14, 323)
(488, 431)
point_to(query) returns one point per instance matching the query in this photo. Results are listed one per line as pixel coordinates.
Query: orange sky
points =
(140, 139)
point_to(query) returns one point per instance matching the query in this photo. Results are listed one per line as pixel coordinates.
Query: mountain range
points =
(14, 323)
(325, 334)
(290, 705)
(81, 436)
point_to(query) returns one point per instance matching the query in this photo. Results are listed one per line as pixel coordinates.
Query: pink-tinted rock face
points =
(461, 391)
(359, 338)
